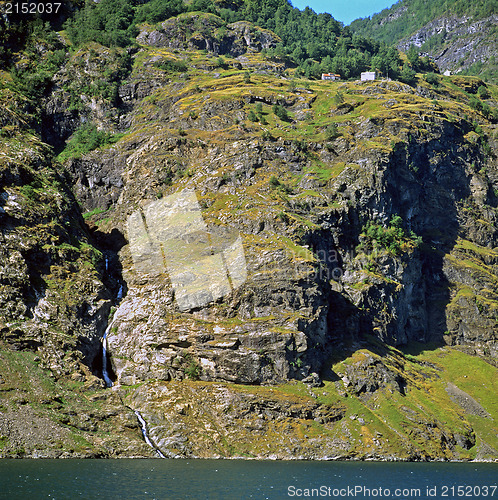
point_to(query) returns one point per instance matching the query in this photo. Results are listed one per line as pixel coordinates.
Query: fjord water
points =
(132, 479)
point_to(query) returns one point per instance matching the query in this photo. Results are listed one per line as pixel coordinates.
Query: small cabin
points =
(330, 76)
(367, 76)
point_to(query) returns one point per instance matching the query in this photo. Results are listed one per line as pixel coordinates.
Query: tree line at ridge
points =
(416, 14)
(317, 43)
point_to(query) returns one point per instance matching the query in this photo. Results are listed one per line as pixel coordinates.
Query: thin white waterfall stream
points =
(143, 425)
(105, 373)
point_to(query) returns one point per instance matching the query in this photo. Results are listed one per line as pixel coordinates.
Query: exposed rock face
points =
(298, 299)
(85, 89)
(461, 41)
(52, 298)
(97, 182)
(250, 350)
(468, 403)
(370, 374)
(208, 32)
(179, 427)
(295, 303)
(383, 232)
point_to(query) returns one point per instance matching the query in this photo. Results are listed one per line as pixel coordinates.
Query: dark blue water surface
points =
(236, 479)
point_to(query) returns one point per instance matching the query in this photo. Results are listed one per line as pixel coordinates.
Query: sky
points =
(345, 10)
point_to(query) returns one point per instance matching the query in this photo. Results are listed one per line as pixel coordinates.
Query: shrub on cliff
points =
(393, 238)
(86, 139)
(332, 132)
(407, 75)
(281, 112)
(171, 66)
(483, 92)
(34, 77)
(432, 79)
(252, 116)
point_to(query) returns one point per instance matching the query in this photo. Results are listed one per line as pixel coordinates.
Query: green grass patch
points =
(95, 211)
(86, 139)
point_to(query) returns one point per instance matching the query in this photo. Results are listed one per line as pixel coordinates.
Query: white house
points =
(330, 76)
(367, 75)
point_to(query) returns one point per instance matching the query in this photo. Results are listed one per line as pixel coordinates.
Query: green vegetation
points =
(432, 79)
(86, 139)
(407, 75)
(114, 65)
(332, 132)
(281, 112)
(172, 66)
(192, 367)
(34, 78)
(258, 115)
(109, 22)
(95, 211)
(423, 419)
(393, 238)
(487, 71)
(316, 42)
(56, 410)
(481, 107)
(483, 92)
(305, 182)
(417, 14)
(160, 10)
(406, 17)
(17, 29)
(416, 418)
(252, 116)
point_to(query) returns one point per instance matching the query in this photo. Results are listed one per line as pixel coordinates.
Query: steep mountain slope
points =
(459, 36)
(54, 301)
(366, 325)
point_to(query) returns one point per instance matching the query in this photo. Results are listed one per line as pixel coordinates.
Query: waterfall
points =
(105, 373)
(143, 425)
(119, 296)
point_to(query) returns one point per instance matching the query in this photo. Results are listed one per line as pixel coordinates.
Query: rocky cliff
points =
(457, 43)
(365, 315)
(458, 36)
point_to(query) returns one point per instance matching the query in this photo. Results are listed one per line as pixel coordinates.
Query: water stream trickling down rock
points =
(143, 425)
(105, 373)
